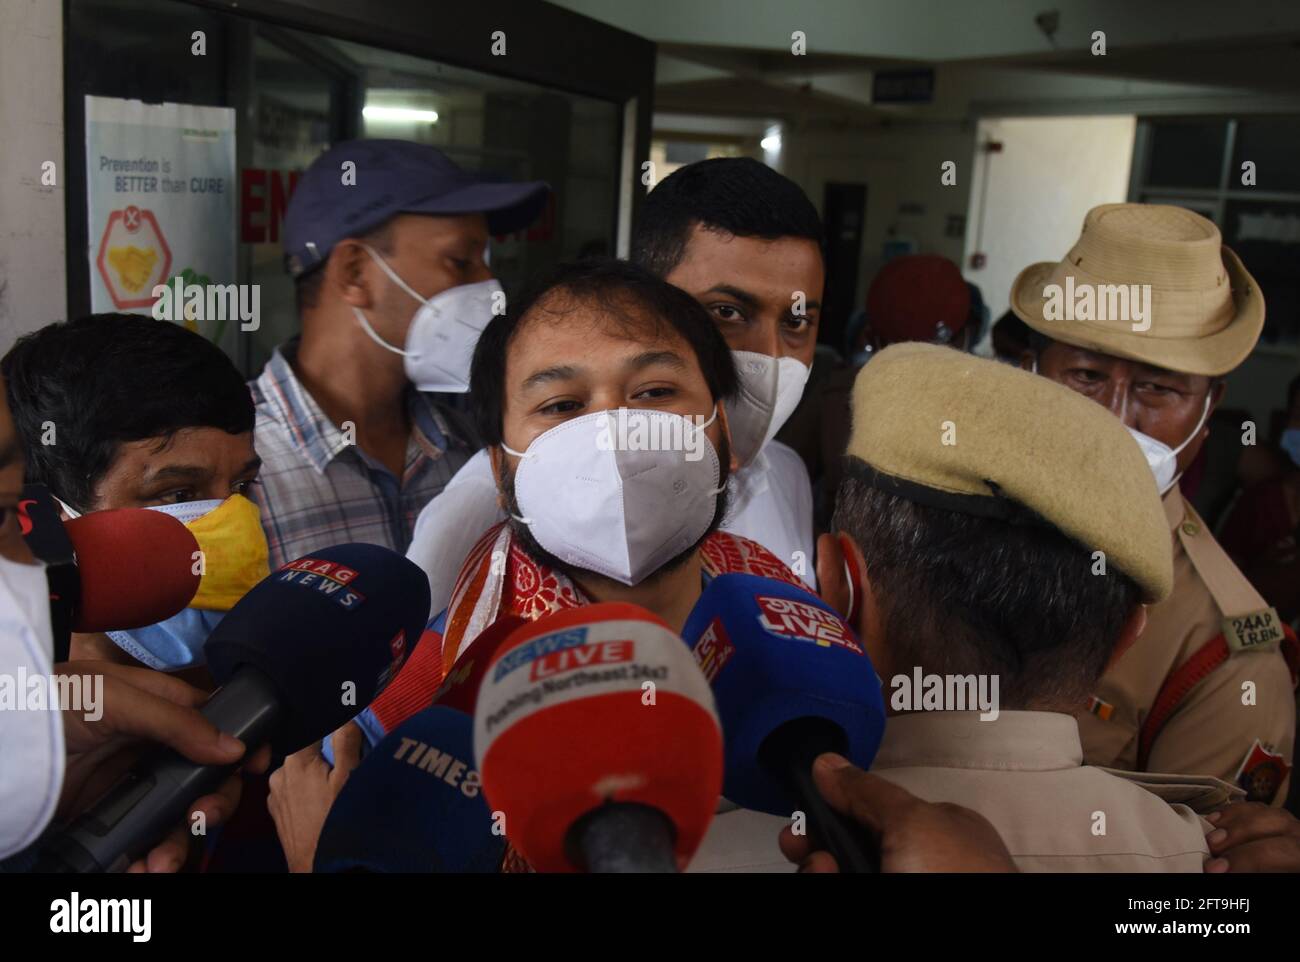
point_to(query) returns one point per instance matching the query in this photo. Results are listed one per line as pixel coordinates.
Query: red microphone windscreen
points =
(136, 568)
(461, 686)
(597, 704)
(421, 681)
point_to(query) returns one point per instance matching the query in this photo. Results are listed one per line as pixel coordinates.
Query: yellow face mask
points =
(234, 551)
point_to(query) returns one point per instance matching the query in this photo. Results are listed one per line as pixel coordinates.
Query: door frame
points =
(545, 45)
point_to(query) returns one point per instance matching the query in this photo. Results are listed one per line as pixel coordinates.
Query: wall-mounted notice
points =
(161, 191)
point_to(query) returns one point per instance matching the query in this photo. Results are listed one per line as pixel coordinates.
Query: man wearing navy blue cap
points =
(386, 242)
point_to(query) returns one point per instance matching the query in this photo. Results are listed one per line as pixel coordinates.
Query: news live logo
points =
(713, 650)
(806, 622)
(328, 577)
(562, 651)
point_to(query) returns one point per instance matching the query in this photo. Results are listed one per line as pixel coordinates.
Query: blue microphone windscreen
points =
(414, 804)
(773, 653)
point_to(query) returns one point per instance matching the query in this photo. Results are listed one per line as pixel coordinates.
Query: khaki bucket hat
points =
(1147, 282)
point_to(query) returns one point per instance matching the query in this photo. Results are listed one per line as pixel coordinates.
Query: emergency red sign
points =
(133, 257)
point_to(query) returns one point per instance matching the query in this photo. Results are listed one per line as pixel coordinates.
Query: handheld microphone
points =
(109, 570)
(421, 682)
(460, 688)
(791, 681)
(415, 804)
(135, 571)
(597, 738)
(295, 657)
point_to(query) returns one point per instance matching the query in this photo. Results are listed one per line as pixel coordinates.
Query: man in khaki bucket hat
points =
(1145, 315)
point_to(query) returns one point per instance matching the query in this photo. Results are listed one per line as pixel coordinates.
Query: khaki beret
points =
(947, 429)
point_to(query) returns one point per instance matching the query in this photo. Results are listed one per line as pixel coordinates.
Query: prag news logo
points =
(328, 577)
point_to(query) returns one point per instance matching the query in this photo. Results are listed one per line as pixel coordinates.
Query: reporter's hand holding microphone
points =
(113, 569)
(913, 835)
(293, 657)
(144, 708)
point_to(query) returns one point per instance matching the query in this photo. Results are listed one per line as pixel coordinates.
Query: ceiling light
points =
(400, 114)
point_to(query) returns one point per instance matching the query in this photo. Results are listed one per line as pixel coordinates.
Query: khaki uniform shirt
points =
(1024, 772)
(1210, 730)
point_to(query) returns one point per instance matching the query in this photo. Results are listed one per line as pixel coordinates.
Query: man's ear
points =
(1134, 625)
(1217, 390)
(832, 583)
(725, 427)
(348, 272)
(1027, 360)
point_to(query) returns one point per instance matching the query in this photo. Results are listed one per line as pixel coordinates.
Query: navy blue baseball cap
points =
(393, 177)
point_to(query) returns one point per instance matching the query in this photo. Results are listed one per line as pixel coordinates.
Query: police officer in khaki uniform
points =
(1145, 315)
(969, 531)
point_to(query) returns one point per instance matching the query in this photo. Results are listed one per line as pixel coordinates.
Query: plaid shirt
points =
(316, 489)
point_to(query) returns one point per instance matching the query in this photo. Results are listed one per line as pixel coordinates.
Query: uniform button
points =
(1191, 528)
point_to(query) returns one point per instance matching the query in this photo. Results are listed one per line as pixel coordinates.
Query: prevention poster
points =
(161, 190)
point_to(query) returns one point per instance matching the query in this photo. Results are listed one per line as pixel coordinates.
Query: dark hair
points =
(1011, 333)
(108, 379)
(306, 287)
(733, 195)
(615, 287)
(1291, 391)
(967, 595)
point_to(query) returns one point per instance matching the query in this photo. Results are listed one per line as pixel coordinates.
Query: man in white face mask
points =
(386, 241)
(745, 242)
(1145, 315)
(603, 398)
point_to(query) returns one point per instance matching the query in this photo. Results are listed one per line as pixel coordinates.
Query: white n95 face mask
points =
(440, 341)
(619, 492)
(31, 742)
(770, 389)
(25, 601)
(1161, 458)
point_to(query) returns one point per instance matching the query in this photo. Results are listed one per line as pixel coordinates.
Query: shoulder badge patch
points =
(1253, 631)
(1261, 774)
(1102, 709)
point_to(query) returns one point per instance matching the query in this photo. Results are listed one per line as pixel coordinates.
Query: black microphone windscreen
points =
(329, 630)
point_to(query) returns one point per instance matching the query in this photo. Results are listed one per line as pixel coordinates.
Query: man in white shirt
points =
(745, 242)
